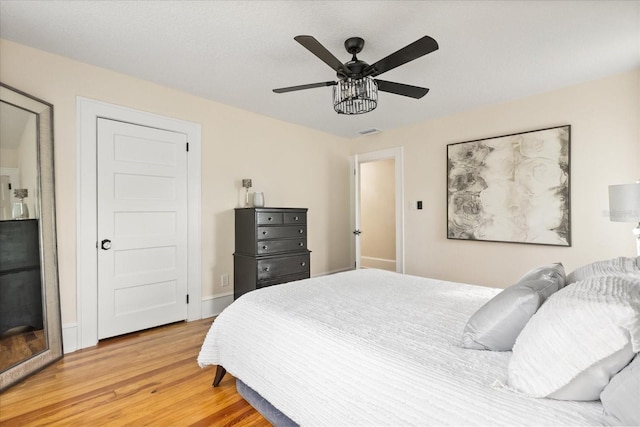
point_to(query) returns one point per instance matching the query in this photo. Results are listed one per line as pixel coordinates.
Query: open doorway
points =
(378, 215)
(377, 210)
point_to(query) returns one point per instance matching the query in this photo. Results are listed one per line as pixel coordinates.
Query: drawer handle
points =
(301, 231)
(270, 218)
(265, 269)
(265, 247)
(295, 218)
(301, 244)
(264, 233)
(303, 263)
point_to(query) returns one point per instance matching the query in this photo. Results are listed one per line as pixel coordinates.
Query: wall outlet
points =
(224, 280)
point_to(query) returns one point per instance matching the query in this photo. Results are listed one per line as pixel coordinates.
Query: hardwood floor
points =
(19, 346)
(145, 378)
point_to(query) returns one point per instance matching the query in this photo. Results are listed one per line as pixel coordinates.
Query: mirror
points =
(30, 326)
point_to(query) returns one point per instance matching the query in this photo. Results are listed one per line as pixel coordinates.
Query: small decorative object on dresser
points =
(20, 210)
(271, 248)
(246, 184)
(258, 199)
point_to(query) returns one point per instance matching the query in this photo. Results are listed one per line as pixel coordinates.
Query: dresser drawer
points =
(270, 268)
(270, 247)
(280, 232)
(295, 217)
(269, 217)
(284, 279)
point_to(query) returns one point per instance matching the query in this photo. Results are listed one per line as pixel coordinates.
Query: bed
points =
(370, 347)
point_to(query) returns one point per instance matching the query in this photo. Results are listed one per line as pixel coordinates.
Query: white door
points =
(5, 197)
(356, 221)
(9, 179)
(142, 227)
(356, 225)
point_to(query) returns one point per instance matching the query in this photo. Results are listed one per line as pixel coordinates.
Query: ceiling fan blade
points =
(416, 92)
(408, 53)
(302, 87)
(321, 52)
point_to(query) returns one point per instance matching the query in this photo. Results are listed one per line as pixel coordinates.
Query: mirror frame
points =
(48, 244)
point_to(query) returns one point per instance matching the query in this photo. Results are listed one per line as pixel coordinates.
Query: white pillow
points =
(584, 332)
(497, 324)
(610, 267)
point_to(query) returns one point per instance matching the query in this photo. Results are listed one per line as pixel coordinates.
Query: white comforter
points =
(374, 348)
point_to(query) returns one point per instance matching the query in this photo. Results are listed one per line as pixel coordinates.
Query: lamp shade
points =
(624, 202)
(355, 96)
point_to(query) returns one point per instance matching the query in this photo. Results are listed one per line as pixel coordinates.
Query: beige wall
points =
(292, 165)
(28, 154)
(295, 166)
(9, 158)
(378, 214)
(605, 149)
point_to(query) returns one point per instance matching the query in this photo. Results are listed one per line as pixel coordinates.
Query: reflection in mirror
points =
(30, 329)
(18, 162)
(21, 315)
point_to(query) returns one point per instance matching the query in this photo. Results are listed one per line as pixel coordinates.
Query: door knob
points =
(106, 244)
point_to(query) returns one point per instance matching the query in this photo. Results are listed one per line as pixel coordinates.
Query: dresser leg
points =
(220, 371)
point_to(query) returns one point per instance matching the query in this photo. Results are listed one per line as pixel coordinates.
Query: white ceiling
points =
(236, 52)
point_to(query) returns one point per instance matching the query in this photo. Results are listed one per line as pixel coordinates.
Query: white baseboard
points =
(380, 263)
(69, 337)
(327, 273)
(212, 306)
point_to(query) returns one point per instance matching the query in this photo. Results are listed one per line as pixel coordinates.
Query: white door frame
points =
(390, 153)
(88, 112)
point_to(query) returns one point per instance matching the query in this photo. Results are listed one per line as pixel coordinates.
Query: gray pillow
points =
(620, 397)
(497, 324)
(550, 271)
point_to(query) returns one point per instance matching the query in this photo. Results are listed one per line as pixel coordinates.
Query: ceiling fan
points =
(356, 90)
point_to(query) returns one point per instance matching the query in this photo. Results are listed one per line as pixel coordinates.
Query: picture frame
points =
(511, 188)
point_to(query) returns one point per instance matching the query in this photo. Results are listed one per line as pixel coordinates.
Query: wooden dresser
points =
(271, 248)
(20, 281)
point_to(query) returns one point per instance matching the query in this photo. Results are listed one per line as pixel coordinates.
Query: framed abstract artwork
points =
(511, 188)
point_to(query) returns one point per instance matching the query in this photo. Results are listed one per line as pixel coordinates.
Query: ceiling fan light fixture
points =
(355, 96)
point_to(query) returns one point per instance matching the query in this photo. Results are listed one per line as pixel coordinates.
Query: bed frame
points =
(259, 403)
(220, 371)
